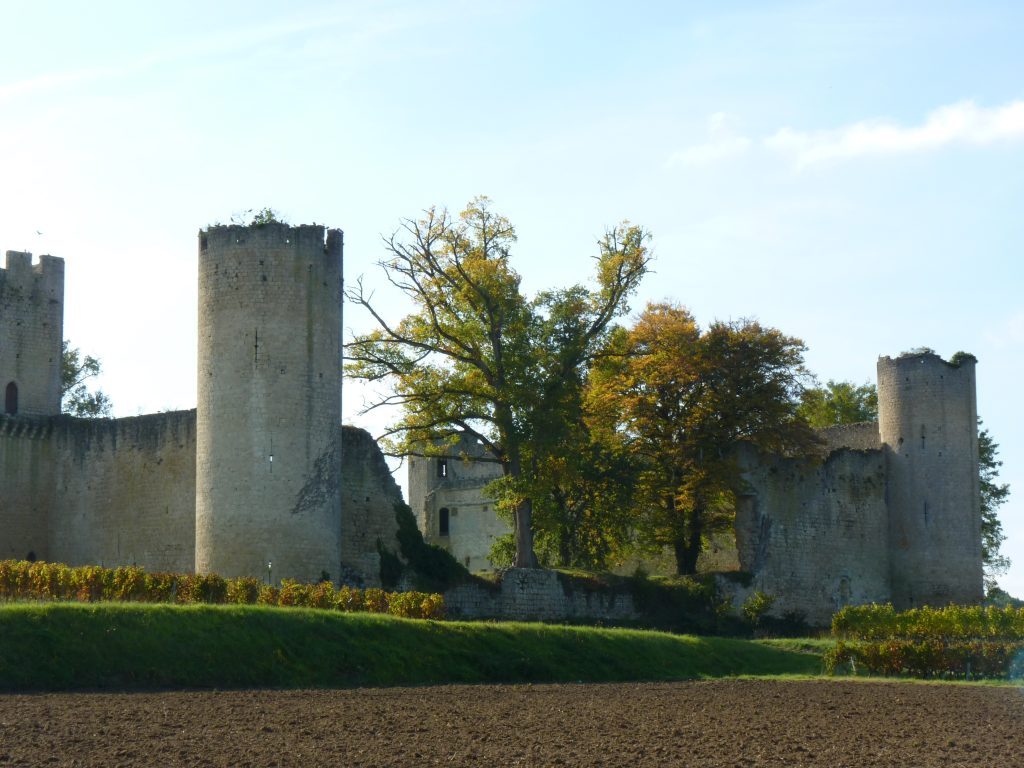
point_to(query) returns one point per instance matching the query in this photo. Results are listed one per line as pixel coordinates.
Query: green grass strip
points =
(66, 646)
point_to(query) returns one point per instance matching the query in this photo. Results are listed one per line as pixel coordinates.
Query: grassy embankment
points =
(63, 646)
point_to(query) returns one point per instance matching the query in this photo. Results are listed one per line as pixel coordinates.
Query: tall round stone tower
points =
(928, 419)
(269, 410)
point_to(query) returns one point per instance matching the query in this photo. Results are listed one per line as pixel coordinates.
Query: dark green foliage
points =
(431, 567)
(391, 566)
(839, 402)
(959, 358)
(993, 496)
(684, 604)
(251, 217)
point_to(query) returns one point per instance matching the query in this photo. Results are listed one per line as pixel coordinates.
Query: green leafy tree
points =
(75, 371)
(839, 402)
(681, 400)
(993, 496)
(476, 356)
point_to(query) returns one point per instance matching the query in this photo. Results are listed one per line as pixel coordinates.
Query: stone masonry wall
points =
(27, 459)
(125, 491)
(455, 483)
(815, 534)
(368, 497)
(529, 594)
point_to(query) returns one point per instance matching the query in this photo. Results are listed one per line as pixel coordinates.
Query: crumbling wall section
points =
(815, 534)
(368, 497)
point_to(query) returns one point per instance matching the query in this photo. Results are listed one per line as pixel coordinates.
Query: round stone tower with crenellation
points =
(928, 426)
(269, 403)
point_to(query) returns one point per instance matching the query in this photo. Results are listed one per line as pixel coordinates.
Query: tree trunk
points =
(688, 548)
(525, 558)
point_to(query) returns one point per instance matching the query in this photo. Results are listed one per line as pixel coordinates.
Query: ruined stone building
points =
(889, 513)
(261, 479)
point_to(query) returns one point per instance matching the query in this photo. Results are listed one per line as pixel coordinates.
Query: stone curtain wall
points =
(815, 534)
(863, 436)
(125, 491)
(529, 594)
(31, 324)
(27, 459)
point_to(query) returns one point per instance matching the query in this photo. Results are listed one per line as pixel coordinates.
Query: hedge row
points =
(22, 580)
(950, 624)
(929, 658)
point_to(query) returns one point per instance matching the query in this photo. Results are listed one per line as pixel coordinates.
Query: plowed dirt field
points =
(719, 723)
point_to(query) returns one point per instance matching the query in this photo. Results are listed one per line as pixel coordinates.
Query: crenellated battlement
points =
(221, 238)
(20, 272)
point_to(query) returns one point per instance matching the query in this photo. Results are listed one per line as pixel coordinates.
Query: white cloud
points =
(723, 144)
(963, 122)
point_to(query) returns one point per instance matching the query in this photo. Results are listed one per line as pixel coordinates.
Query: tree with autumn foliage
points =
(476, 357)
(681, 399)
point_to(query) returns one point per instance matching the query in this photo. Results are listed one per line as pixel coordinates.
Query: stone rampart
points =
(27, 461)
(125, 491)
(862, 436)
(531, 594)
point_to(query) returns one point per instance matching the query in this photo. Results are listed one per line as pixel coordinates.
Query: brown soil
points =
(721, 723)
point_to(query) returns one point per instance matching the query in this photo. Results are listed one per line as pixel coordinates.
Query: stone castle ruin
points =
(890, 513)
(261, 479)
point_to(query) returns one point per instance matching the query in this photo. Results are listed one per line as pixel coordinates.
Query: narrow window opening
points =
(11, 399)
(31, 556)
(443, 521)
(926, 512)
(442, 467)
(922, 437)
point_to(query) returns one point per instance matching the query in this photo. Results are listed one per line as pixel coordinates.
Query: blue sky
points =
(848, 172)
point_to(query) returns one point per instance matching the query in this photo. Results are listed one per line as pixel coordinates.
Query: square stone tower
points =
(31, 327)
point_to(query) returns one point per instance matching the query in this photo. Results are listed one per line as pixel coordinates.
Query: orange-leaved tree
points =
(681, 400)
